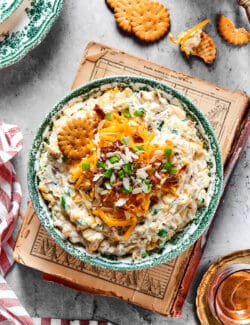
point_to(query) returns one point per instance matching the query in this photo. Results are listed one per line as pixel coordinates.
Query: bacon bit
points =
(154, 199)
(154, 180)
(99, 112)
(184, 168)
(171, 181)
(104, 150)
(150, 127)
(137, 138)
(157, 157)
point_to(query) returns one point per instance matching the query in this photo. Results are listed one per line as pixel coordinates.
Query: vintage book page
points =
(223, 108)
(162, 288)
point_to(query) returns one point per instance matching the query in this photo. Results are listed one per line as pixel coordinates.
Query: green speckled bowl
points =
(7, 8)
(183, 239)
(30, 29)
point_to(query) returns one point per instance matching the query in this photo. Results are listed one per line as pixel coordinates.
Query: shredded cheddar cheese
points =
(184, 36)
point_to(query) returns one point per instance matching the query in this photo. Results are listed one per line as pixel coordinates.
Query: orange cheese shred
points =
(184, 36)
(112, 222)
(131, 228)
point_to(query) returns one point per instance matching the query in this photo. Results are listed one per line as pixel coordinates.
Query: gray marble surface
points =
(31, 87)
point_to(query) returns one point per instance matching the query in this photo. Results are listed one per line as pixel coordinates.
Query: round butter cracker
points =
(112, 4)
(74, 136)
(227, 30)
(123, 12)
(206, 50)
(150, 20)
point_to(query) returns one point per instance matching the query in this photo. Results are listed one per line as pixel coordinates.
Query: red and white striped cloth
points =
(11, 310)
(11, 142)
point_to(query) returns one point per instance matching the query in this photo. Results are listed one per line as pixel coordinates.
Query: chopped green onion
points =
(144, 254)
(156, 210)
(139, 112)
(101, 164)
(65, 159)
(124, 140)
(85, 166)
(202, 200)
(63, 202)
(129, 190)
(127, 169)
(168, 152)
(81, 109)
(148, 185)
(121, 174)
(174, 131)
(114, 159)
(159, 125)
(162, 233)
(127, 114)
(167, 165)
(107, 173)
(209, 164)
(172, 171)
(108, 116)
(133, 165)
(138, 148)
(162, 244)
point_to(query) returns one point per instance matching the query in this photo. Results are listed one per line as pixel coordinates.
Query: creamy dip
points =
(145, 174)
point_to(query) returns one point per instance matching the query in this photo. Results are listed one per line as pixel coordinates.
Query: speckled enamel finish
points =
(7, 8)
(30, 31)
(183, 239)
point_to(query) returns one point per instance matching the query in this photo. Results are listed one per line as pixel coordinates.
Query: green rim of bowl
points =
(9, 10)
(41, 16)
(182, 240)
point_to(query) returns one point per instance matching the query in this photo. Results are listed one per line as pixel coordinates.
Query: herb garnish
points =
(167, 165)
(138, 148)
(101, 164)
(85, 165)
(168, 152)
(140, 112)
(125, 190)
(108, 116)
(107, 173)
(127, 114)
(114, 159)
(65, 159)
(159, 125)
(162, 233)
(63, 202)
